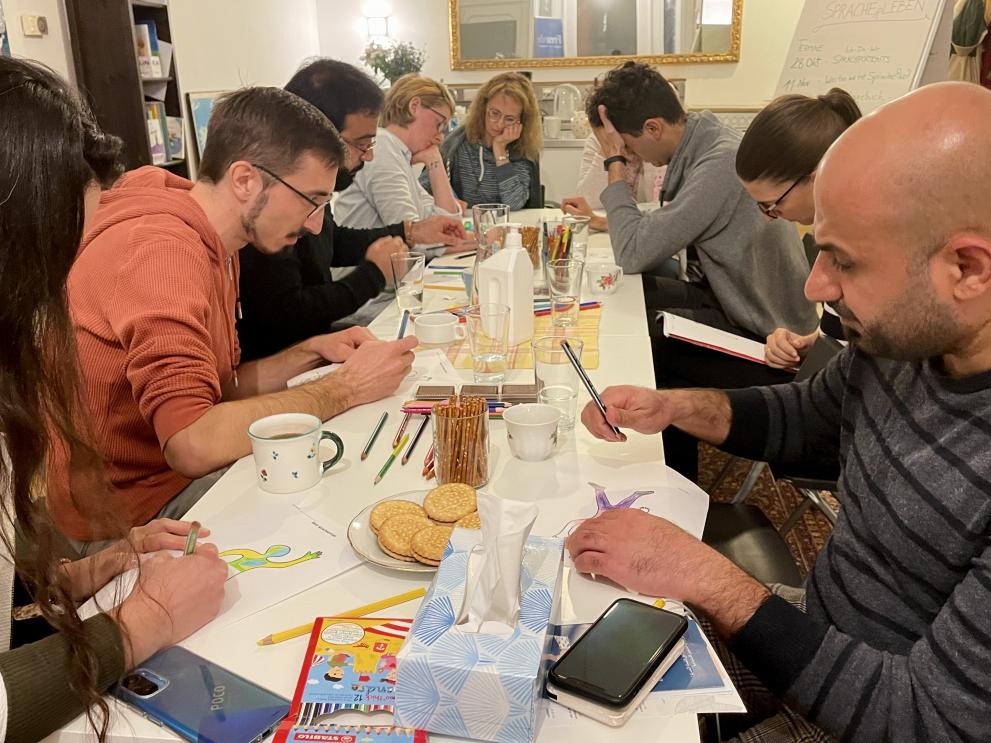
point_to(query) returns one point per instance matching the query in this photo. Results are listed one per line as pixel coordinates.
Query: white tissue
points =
(492, 584)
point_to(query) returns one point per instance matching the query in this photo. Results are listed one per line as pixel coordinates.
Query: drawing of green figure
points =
(250, 559)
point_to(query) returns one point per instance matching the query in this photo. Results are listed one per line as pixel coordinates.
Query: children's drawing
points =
(249, 559)
(603, 504)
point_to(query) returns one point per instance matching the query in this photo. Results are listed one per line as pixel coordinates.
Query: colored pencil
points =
(375, 434)
(416, 438)
(402, 325)
(402, 427)
(194, 532)
(359, 611)
(390, 460)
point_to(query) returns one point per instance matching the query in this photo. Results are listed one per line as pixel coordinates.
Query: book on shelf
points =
(146, 32)
(142, 48)
(176, 145)
(157, 132)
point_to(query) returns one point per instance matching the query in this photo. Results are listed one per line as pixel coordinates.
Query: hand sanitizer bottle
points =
(507, 278)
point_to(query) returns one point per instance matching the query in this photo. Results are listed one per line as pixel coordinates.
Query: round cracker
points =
(426, 560)
(395, 555)
(471, 521)
(448, 503)
(396, 533)
(387, 509)
(428, 544)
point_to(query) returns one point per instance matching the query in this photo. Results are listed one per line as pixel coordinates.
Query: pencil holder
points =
(461, 441)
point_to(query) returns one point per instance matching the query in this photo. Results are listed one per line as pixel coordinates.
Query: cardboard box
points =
(480, 686)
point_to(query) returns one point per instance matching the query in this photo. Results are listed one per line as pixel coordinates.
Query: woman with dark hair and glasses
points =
(53, 161)
(776, 163)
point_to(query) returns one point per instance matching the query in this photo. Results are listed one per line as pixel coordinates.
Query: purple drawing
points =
(603, 504)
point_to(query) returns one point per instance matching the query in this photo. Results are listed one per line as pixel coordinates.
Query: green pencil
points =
(391, 459)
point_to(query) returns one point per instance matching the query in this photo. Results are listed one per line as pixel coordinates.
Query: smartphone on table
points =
(611, 668)
(199, 700)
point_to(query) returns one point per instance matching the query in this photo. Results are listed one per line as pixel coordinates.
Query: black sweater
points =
(289, 297)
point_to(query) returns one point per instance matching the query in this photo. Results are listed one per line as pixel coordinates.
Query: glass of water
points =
(564, 286)
(577, 226)
(488, 339)
(557, 380)
(407, 277)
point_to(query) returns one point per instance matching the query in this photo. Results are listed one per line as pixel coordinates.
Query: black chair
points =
(743, 533)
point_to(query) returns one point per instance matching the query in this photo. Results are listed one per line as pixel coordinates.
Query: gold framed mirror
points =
(501, 34)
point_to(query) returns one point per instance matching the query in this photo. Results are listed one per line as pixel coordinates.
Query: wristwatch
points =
(614, 159)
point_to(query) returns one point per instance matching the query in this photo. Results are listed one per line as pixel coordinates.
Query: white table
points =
(625, 358)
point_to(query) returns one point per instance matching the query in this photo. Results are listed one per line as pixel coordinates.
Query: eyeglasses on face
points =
(768, 208)
(317, 205)
(495, 116)
(363, 149)
(444, 122)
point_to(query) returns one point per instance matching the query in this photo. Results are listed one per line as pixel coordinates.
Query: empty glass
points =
(407, 277)
(564, 286)
(490, 231)
(557, 380)
(576, 227)
(488, 339)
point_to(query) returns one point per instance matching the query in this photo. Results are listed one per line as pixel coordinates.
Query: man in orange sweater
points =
(154, 293)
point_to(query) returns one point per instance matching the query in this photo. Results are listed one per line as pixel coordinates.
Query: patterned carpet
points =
(809, 534)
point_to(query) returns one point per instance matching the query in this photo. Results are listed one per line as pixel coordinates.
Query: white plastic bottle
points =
(507, 278)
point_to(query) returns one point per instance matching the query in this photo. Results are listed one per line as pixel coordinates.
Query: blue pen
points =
(402, 325)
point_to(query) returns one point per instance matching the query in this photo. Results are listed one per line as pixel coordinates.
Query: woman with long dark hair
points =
(776, 162)
(53, 161)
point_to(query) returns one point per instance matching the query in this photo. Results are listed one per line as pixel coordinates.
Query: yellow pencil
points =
(360, 611)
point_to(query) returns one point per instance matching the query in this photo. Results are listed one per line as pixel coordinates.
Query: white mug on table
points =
(286, 451)
(438, 328)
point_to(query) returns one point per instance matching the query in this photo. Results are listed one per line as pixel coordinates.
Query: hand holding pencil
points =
(375, 370)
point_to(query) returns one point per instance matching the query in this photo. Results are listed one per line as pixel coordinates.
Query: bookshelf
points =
(105, 35)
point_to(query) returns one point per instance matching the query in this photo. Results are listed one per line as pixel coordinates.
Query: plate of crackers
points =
(408, 531)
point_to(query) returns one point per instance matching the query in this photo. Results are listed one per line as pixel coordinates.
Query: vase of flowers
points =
(394, 60)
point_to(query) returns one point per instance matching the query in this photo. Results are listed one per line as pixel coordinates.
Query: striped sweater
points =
(896, 641)
(477, 179)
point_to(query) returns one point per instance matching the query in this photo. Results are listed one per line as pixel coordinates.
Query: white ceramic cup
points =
(532, 430)
(286, 448)
(603, 278)
(438, 328)
(552, 127)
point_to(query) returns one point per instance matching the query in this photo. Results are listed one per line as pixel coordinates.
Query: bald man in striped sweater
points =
(893, 639)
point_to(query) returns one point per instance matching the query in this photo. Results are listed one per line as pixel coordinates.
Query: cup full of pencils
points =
(461, 440)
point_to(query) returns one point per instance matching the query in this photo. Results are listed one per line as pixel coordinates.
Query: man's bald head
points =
(920, 164)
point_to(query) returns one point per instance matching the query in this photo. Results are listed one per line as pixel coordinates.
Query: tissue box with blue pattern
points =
(477, 685)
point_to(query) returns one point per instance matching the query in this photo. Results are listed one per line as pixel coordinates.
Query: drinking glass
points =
(564, 286)
(407, 277)
(490, 231)
(488, 339)
(577, 227)
(557, 380)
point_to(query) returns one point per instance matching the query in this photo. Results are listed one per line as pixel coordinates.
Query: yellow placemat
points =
(521, 356)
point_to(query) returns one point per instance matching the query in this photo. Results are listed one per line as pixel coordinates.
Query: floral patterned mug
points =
(603, 278)
(286, 448)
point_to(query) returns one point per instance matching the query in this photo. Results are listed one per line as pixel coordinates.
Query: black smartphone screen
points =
(611, 661)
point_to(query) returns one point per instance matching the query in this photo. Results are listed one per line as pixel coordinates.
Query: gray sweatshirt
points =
(756, 269)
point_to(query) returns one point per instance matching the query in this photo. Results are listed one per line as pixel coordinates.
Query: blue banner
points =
(548, 35)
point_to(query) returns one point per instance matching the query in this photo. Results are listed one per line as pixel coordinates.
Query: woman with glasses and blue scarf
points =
(495, 155)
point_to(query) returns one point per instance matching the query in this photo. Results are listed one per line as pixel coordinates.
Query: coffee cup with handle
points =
(286, 450)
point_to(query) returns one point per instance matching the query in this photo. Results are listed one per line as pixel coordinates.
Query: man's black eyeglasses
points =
(317, 205)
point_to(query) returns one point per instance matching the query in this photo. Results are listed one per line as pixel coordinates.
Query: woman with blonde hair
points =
(495, 156)
(415, 118)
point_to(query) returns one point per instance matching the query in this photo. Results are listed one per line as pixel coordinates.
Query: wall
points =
(52, 49)
(225, 44)
(767, 29)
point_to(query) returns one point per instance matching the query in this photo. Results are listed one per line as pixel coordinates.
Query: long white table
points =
(347, 489)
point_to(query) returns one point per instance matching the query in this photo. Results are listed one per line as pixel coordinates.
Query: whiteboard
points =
(877, 50)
